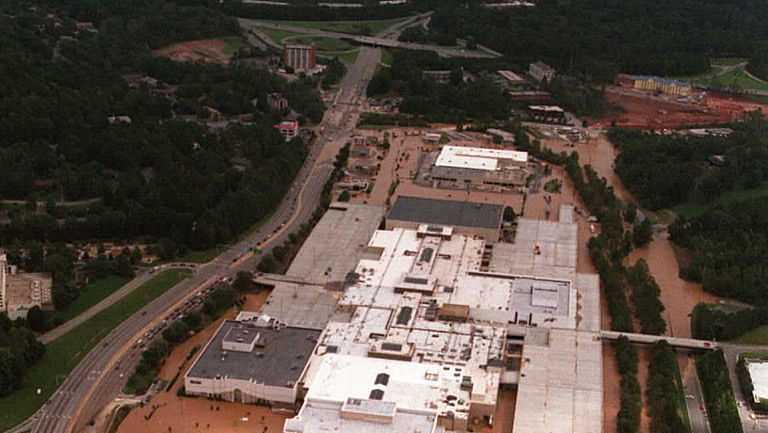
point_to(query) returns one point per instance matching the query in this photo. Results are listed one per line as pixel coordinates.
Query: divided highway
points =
(102, 373)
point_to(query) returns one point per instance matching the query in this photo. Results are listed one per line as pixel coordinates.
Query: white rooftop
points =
(550, 108)
(477, 158)
(758, 373)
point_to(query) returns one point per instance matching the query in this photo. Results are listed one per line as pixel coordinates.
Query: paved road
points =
(372, 40)
(102, 373)
(142, 277)
(694, 398)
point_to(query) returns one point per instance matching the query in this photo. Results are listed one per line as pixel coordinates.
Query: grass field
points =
(736, 79)
(387, 57)
(322, 43)
(277, 36)
(347, 57)
(232, 44)
(64, 354)
(756, 336)
(204, 256)
(91, 295)
(692, 210)
(353, 27)
(727, 61)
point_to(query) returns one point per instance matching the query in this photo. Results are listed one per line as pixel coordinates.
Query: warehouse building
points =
(253, 359)
(471, 219)
(478, 168)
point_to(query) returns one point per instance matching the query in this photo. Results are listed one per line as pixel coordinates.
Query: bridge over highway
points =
(484, 53)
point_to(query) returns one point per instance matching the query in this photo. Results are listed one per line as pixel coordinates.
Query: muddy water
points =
(176, 414)
(678, 296)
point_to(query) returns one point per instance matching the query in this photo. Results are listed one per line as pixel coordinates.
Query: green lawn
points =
(91, 295)
(386, 57)
(727, 61)
(353, 27)
(277, 36)
(204, 256)
(347, 57)
(322, 43)
(736, 79)
(232, 44)
(756, 336)
(692, 210)
(63, 354)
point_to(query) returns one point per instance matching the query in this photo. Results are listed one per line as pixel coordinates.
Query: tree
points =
(243, 282)
(344, 196)
(36, 319)
(642, 233)
(177, 332)
(268, 264)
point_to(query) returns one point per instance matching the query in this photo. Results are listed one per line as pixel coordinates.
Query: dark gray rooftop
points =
(446, 212)
(278, 359)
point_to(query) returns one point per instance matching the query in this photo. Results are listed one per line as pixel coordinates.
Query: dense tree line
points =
(721, 404)
(685, 161)
(645, 298)
(758, 63)
(19, 349)
(664, 392)
(578, 97)
(598, 38)
(729, 246)
(708, 322)
(156, 176)
(308, 11)
(628, 418)
(455, 101)
(608, 251)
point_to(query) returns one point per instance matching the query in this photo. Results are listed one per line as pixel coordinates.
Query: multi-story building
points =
(302, 58)
(20, 292)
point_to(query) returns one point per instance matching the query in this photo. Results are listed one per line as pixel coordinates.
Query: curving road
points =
(102, 373)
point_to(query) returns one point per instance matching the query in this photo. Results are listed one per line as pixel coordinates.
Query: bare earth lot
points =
(206, 51)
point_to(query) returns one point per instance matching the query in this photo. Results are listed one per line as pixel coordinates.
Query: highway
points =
(102, 373)
(373, 40)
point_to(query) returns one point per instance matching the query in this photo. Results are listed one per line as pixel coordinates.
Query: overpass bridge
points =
(484, 53)
(683, 343)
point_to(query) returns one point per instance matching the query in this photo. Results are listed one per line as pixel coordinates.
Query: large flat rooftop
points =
(478, 158)
(446, 212)
(336, 243)
(278, 359)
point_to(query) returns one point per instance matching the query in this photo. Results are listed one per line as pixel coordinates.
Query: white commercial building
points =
(432, 327)
(480, 167)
